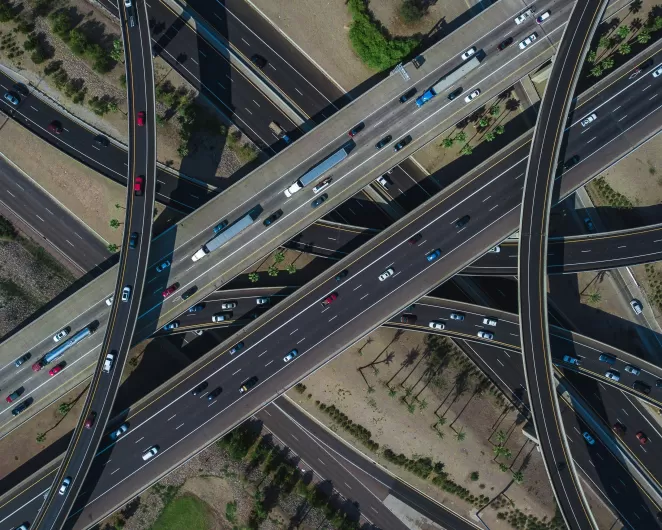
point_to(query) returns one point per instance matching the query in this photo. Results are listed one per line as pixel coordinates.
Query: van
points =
(607, 359)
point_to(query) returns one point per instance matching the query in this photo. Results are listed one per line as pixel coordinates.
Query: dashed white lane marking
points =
(623, 117)
(644, 89)
(10, 193)
(268, 363)
(78, 235)
(70, 242)
(594, 138)
(139, 440)
(301, 340)
(171, 417)
(34, 108)
(333, 317)
(256, 103)
(321, 461)
(115, 470)
(651, 99)
(299, 91)
(357, 287)
(38, 217)
(263, 353)
(499, 361)
(294, 332)
(364, 296)
(350, 487)
(246, 41)
(237, 372)
(48, 211)
(202, 53)
(176, 428)
(373, 510)
(196, 62)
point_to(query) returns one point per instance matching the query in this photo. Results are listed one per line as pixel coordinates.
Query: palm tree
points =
(503, 467)
(624, 48)
(591, 56)
(411, 408)
(596, 71)
(460, 435)
(512, 105)
(448, 142)
(279, 257)
(604, 42)
(466, 149)
(272, 270)
(371, 389)
(422, 405)
(41, 436)
(490, 136)
(441, 422)
(392, 392)
(441, 434)
(623, 31)
(635, 6)
(484, 122)
(367, 341)
(644, 36)
(461, 137)
(518, 477)
(291, 268)
(607, 63)
(112, 248)
(118, 206)
(253, 277)
(114, 223)
(594, 298)
(499, 129)
(495, 110)
(501, 437)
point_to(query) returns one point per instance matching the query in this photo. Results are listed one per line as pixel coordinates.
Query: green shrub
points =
(61, 24)
(78, 42)
(7, 230)
(7, 12)
(31, 42)
(39, 55)
(411, 11)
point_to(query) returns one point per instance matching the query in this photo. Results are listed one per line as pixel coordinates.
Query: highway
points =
(132, 267)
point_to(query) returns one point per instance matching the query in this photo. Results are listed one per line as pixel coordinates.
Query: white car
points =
(632, 369)
(457, 316)
(126, 293)
(434, 324)
(528, 41)
(322, 185)
(473, 95)
(383, 182)
(65, 486)
(468, 53)
(386, 274)
(198, 332)
(521, 18)
(496, 249)
(614, 376)
(543, 17)
(127, 3)
(489, 321)
(150, 452)
(61, 334)
(290, 356)
(589, 119)
(636, 306)
(486, 335)
(108, 363)
(262, 301)
(221, 317)
(658, 71)
(109, 301)
(228, 305)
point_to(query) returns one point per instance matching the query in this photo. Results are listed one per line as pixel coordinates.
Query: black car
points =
(408, 319)
(214, 394)
(200, 388)
(273, 217)
(259, 61)
(101, 141)
(407, 95)
(357, 129)
(570, 163)
(319, 200)
(21, 360)
(248, 384)
(133, 240)
(236, 347)
(462, 221)
(415, 239)
(641, 387)
(189, 293)
(341, 275)
(504, 44)
(21, 407)
(402, 143)
(384, 141)
(455, 93)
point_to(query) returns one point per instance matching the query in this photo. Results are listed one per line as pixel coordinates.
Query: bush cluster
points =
(358, 431)
(613, 197)
(300, 387)
(7, 230)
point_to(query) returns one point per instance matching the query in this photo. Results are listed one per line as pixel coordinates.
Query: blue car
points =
(172, 325)
(119, 431)
(433, 255)
(196, 308)
(12, 98)
(220, 226)
(163, 266)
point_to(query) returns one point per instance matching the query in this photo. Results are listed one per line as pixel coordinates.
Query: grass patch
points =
(7, 230)
(11, 290)
(187, 512)
(47, 263)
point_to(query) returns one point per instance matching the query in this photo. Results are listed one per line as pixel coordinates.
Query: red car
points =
(90, 420)
(55, 370)
(643, 439)
(37, 366)
(329, 299)
(55, 127)
(170, 290)
(138, 185)
(141, 118)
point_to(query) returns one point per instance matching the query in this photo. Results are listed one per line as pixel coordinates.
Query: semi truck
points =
(317, 171)
(59, 350)
(447, 81)
(280, 133)
(224, 236)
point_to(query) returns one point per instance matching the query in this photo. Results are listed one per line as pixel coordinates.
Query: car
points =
(248, 384)
(489, 321)
(196, 308)
(385, 183)
(24, 405)
(570, 163)
(190, 292)
(14, 395)
(356, 129)
(636, 306)
(152, 451)
(56, 369)
(505, 43)
(64, 486)
(18, 362)
(321, 185)
(171, 325)
(61, 334)
(415, 238)
(38, 365)
(138, 185)
(126, 293)
(273, 217)
(200, 388)
(319, 200)
(560, 466)
(658, 383)
(619, 428)
(384, 141)
(133, 240)
(329, 299)
(290, 356)
(220, 226)
(198, 332)
(262, 301)
(228, 305)
(127, 3)
(543, 17)
(101, 141)
(455, 93)
(435, 324)
(495, 250)
(341, 275)
(221, 317)
(589, 224)
(408, 95)
(588, 438)
(487, 335)
(462, 221)
(258, 61)
(408, 318)
(91, 417)
(457, 316)
(528, 41)
(589, 119)
(236, 348)
(12, 98)
(140, 119)
(432, 256)
(108, 362)
(613, 375)
(632, 369)
(109, 301)
(523, 16)
(169, 290)
(571, 360)
(609, 359)
(402, 143)
(386, 274)
(163, 265)
(643, 439)
(468, 53)
(641, 387)
(119, 431)
(658, 71)
(214, 393)
(55, 127)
